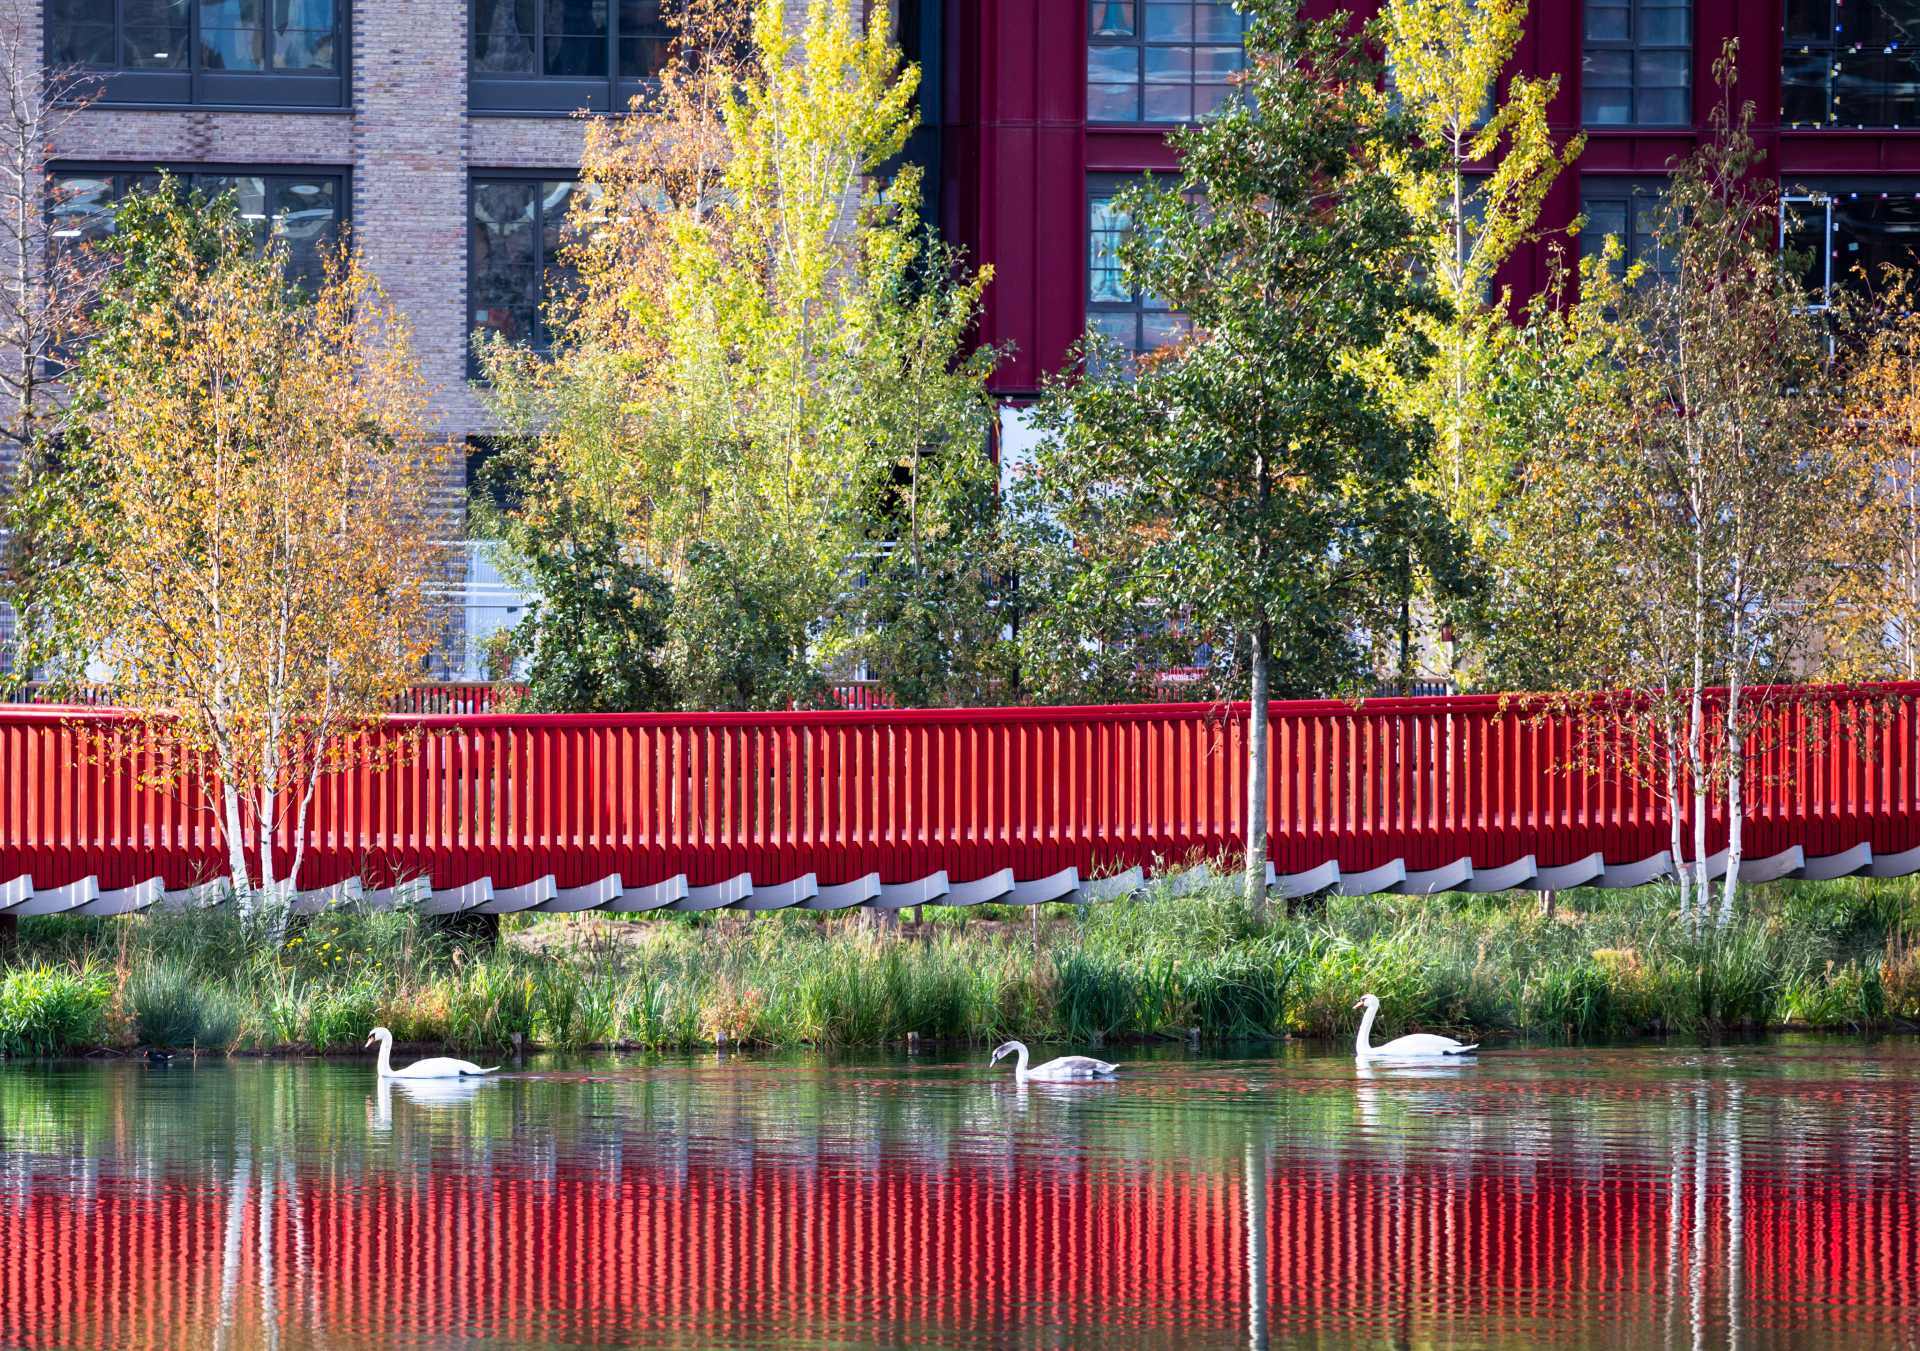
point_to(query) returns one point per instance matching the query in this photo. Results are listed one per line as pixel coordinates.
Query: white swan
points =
(1066, 1067)
(1418, 1046)
(439, 1067)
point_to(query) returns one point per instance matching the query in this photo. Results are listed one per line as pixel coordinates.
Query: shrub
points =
(170, 1008)
(49, 1010)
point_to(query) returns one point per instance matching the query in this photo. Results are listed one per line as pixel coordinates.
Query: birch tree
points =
(1249, 481)
(237, 525)
(1706, 466)
(45, 289)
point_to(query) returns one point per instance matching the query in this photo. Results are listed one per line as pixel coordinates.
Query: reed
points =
(1607, 964)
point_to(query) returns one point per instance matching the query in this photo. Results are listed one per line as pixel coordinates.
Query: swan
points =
(438, 1068)
(1419, 1046)
(1066, 1067)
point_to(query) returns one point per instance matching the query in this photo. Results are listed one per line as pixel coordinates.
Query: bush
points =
(48, 1010)
(171, 1008)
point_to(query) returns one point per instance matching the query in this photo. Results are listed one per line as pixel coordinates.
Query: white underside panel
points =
(20, 897)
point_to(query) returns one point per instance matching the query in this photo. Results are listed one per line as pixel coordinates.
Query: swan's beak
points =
(1359, 1003)
(369, 1041)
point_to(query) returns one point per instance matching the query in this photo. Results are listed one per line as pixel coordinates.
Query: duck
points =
(1067, 1067)
(1417, 1046)
(438, 1067)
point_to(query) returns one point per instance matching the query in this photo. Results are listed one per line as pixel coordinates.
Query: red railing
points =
(971, 792)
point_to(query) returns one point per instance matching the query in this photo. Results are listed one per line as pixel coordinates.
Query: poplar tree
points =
(764, 390)
(1248, 481)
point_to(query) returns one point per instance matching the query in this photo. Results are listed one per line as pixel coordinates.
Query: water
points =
(1746, 1196)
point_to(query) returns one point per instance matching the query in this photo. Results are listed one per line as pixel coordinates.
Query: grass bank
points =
(1608, 964)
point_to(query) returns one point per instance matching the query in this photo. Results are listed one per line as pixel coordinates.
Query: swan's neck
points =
(1363, 1044)
(1020, 1065)
(386, 1056)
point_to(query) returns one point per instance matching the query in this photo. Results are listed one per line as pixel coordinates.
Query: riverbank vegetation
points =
(1840, 955)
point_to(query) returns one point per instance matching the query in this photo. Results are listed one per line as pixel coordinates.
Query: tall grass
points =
(48, 1010)
(1607, 965)
(170, 1007)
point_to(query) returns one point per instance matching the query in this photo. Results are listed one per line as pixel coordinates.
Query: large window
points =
(1161, 60)
(1137, 321)
(1628, 209)
(516, 246)
(1848, 230)
(1851, 63)
(245, 53)
(1637, 63)
(563, 55)
(300, 209)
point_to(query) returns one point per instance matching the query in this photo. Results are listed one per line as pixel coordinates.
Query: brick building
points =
(441, 131)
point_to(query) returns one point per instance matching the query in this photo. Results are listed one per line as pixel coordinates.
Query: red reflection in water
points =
(899, 1252)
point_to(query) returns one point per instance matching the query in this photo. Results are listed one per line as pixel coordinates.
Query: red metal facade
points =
(1018, 148)
(904, 794)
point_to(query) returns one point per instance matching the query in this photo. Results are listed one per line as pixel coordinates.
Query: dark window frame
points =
(1140, 43)
(1815, 57)
(1105, 187)
(195, 86)
(1820, 204)
(536, 93)
(189, 173)
(536, 339)
(1639, 246)
(1635, 48)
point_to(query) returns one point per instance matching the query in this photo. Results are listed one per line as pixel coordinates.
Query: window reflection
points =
(1134, 319)
(1636, 64)
(1161, 60)
(1851, 63)
(300, 211)
(1630, 210)
(619, 40)
(250, 36)
(1849, 231)
(518, 249)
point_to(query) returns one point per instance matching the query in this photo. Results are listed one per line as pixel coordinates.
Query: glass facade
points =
(297, 209)
(563, 55)
(1628, 209)
(1161, 60)
(518, 232)
(1636, 63)
(269, 52)
(1130, 317)
(1851, 63)
(1848, 231)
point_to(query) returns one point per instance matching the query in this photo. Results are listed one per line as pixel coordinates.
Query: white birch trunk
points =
(1697, 765)
(1676, 835)
(1736, 768)
(236, 849)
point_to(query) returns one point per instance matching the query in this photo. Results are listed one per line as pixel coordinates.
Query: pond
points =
(1751, 1195)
